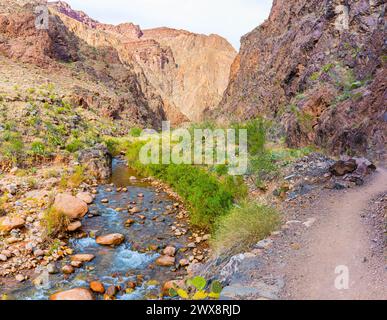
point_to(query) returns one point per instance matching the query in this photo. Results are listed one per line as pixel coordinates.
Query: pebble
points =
(20, 278)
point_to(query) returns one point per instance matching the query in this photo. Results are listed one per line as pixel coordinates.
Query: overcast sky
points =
(228, 18)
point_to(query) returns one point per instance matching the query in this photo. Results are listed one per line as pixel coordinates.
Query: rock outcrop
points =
(148, 75)
(189, 71)
(319, 68)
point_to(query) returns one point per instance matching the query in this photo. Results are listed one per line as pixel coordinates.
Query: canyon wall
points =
(318, 68)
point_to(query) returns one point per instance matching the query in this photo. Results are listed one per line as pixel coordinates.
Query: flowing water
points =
(131, 260)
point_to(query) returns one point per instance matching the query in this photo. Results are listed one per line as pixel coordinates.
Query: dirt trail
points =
(340, 237)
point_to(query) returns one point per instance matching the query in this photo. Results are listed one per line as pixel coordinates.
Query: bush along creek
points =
(133, 242)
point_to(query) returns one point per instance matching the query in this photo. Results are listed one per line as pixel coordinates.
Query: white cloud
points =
(228, 18)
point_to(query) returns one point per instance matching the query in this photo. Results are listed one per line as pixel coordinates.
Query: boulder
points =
(97, 161)
(165, 261)
(85, 197)
(7, 223)
(114, 239)
(364, 166)
(73, 294)
(70, 206)
(341, 168)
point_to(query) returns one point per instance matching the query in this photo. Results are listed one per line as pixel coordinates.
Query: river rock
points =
(111, 291)
(129, 222)
(114, 239)
(72, 207)
(20, 278)
(82, 257)
(85, 197)
(74, 226)
(184, 262)
(73, 294)
(169, 251)
(7, 223)
(135, 210)
(76, 264)
(51, 268)
(97, 287)
(165, 261)
(67, 269)
(3, 258)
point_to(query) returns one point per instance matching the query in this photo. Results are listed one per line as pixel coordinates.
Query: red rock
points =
(165, 261)
(73, 294)
(114, 239)
(97, 287)
(82, 257)
(169, 251)
(7, 223)
(72, 207)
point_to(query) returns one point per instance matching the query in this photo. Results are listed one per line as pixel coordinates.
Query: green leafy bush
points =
(207, 196)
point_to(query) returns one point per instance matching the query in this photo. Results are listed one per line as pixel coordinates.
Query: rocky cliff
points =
(146, 75)
(318, 67)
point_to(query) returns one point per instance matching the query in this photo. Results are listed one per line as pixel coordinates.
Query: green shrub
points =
(206, 195)
(135, 132)
(256, 134)
(74, 145)
(12, 146)
(38, 148)
(244, 226)
(77, 178)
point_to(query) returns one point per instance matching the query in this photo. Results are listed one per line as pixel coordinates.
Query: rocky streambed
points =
(134, 239)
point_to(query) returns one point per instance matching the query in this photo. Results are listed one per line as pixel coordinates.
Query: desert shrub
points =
(77, 177)
(244, 226)
(38, 149)
(11, 147)
(74, 145)
(54, 221)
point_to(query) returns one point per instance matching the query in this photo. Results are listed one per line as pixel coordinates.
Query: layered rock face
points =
(151, 75)
(94, 78)
(189, 71)
(318, 67)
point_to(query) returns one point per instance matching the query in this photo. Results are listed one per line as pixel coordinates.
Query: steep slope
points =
(319, 68)
(93, 78)
(189, 71)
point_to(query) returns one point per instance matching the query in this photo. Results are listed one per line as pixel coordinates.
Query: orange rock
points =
(73, 294)
(165, 261)
(114, 239)
(97, 287)
(72, 207)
